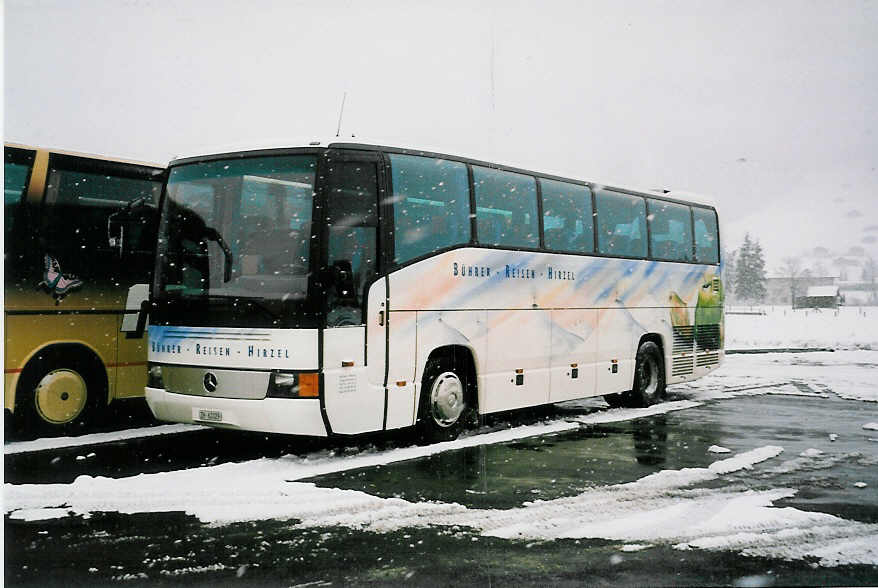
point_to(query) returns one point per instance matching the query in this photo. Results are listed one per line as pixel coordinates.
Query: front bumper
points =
(298, 416)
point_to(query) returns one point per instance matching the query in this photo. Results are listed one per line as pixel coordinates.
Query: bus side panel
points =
(10, 371)
(466, 328)
(132, 350)
(10, 381)
(25, 336)
(130, 364)
(574, 354)
(402, 388)
(517, 365)
(615, 365)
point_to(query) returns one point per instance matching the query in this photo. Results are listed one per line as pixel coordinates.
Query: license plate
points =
(213, 416)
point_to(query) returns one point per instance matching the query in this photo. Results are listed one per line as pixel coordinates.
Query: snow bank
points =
(665, 507)
(627, 414)
(782, 327)
(96, 438)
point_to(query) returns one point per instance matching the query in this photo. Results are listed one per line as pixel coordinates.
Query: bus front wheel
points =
(444, 407)
(59, 393)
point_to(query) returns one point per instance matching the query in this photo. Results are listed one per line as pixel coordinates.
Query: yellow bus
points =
(79, 242)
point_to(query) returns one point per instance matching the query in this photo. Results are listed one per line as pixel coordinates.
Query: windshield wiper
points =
(214, 235)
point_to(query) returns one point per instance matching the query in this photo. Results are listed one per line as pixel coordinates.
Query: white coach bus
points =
(342, 288)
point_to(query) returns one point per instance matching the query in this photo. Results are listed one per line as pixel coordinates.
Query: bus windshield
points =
(238, 228)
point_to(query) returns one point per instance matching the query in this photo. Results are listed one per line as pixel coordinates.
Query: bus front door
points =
(353, 341)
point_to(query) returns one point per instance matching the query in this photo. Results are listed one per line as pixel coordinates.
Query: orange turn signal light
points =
(309, 385)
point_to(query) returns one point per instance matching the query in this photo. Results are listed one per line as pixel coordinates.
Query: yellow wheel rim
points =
(60, 396)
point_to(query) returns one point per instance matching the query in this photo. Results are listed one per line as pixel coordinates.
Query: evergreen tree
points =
(750, 272)
(745, 252)
(758, 270)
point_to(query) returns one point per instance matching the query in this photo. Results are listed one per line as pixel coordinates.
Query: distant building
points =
(780, 290)
(851, 270)
(820, 297)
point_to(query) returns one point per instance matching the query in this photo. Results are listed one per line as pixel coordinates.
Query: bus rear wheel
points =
(59, 393)
(649, 375)
(649, 380)
(445, 405)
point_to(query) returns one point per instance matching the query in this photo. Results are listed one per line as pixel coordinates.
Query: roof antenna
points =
(340, 113)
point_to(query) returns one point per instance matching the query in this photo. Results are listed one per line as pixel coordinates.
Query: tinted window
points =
(19, 247)
(506, 208)
(430, 205)
(621, 224)
(670, 231)
(352, 234)
(77, 208)
(706, 236)
(568, 222)
(15, 177)
(14, 181)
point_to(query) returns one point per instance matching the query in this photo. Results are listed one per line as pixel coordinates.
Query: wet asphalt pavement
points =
(176, 548)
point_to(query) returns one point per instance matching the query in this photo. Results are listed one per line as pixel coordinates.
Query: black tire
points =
(649, 375)
(61, 391)
(446, 405)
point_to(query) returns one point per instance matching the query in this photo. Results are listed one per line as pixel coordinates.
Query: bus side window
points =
(567, 217)
(15, 178)
(18, 238)
(621, 224)
(706, 236)
(510, 201)
(670, 231)
(78, 205)
(431, 205)
(351, 238)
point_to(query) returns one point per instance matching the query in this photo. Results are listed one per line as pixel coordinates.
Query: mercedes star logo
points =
(210, 382)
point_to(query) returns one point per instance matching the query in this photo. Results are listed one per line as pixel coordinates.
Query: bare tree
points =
(792, 268)
(870, 268)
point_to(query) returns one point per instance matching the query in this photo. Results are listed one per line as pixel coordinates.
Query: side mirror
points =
(134, 212)
(343, 280)
(116, 233)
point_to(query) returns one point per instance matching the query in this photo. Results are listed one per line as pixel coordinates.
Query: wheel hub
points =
(446, 399)
(60, 396)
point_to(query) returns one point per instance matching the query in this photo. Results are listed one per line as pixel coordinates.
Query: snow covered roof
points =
(823, 291)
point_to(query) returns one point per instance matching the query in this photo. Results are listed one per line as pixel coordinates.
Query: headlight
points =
(294, 385)
(154, 376)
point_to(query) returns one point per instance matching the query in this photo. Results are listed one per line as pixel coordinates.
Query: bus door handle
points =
(380, 318)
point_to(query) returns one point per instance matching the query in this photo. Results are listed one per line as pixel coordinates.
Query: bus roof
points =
(82, 154)
(354, 143)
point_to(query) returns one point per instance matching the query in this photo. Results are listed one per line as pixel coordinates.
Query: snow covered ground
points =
(849, 374)
(705, 507)
(848, 327)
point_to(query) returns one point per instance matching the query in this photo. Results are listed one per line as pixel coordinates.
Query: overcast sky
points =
(768, 107)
